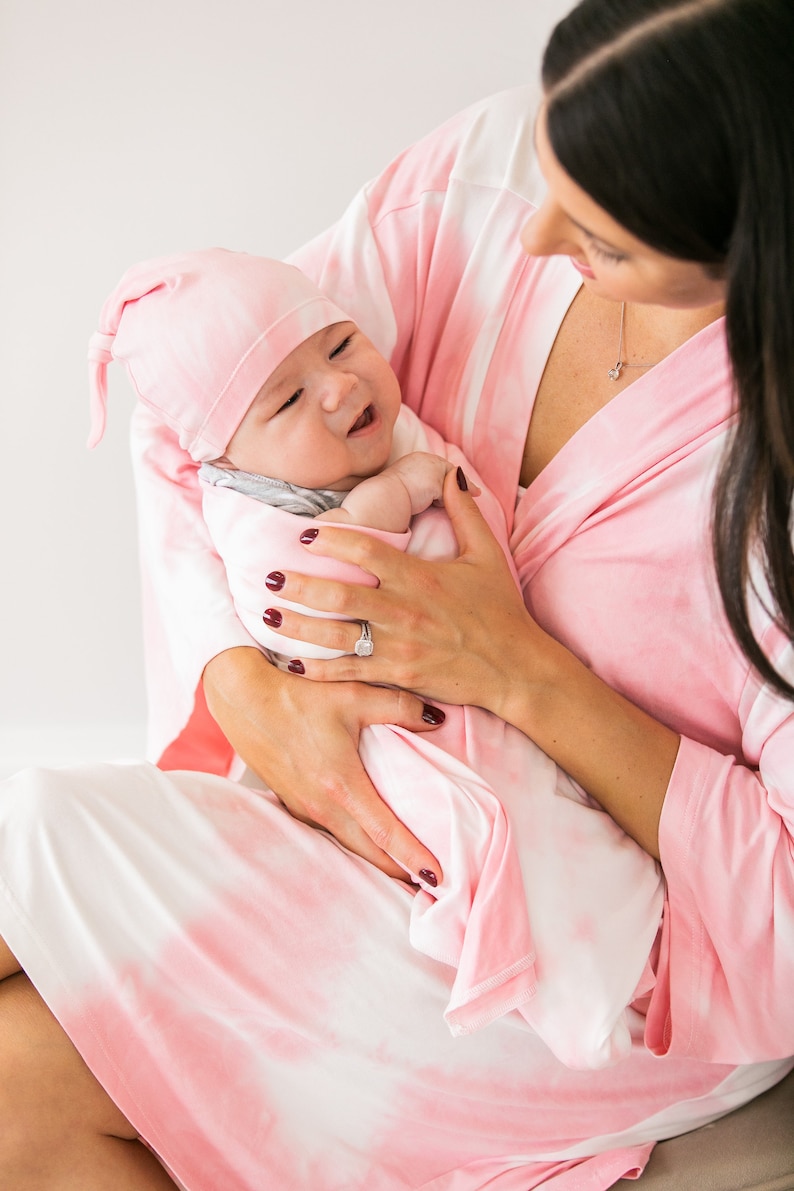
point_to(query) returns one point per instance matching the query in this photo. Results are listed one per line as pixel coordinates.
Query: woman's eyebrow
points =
(591, 235)
(585, 230)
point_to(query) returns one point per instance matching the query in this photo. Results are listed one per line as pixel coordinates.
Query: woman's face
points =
(614, 263)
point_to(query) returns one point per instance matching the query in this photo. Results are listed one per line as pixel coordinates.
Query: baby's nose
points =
(337, 388)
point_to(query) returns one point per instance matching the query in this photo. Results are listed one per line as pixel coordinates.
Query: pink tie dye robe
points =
(244, 988)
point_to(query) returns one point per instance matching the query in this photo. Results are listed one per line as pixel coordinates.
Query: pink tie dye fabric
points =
(247, 993)
(546, 906)
(245, 989)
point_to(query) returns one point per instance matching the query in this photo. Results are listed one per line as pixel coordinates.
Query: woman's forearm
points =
(618, 753)
(228, 678)
(459, 632)
(302, 739)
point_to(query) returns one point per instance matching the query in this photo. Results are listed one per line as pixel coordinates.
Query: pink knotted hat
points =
(200, 333)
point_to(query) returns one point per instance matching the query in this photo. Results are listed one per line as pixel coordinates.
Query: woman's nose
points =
(549, 232)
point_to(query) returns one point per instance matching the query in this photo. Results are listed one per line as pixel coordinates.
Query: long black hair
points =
(677, 117)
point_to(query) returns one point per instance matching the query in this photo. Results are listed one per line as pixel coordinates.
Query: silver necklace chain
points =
(614, 373)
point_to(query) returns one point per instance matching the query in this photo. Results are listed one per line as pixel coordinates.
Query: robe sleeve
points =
(726, 973)
(188, 616)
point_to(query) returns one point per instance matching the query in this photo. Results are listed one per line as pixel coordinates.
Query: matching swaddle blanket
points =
(558, 926)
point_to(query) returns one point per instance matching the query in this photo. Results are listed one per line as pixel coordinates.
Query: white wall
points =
(137, 129)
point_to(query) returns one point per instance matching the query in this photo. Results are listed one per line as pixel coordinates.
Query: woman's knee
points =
(8, 961)
(47, 1094)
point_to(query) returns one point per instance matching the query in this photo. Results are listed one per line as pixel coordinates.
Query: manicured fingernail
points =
(275, 581)
(461, 478)
(296, 666)
(432, 715)
(428, 877)
(273, 617)
(309, 535)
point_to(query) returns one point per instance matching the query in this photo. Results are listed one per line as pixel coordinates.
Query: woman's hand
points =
(459, 632)
(302, 741)
(445, 630)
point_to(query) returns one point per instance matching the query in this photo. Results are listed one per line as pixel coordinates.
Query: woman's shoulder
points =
(489, 145)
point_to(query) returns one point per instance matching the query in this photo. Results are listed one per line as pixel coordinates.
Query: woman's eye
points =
(614, 258)
(290, 401)
(341, 347)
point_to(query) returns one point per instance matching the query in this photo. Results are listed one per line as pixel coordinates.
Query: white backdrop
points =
(131, 130)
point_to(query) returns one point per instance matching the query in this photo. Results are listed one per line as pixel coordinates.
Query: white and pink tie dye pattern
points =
(611, 543)
(246, 992)
(546, 905)
(295, 1038)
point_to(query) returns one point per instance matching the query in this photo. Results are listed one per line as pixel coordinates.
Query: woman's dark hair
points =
(677, 117)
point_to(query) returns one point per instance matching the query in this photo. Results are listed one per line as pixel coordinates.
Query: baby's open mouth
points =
(362, 420)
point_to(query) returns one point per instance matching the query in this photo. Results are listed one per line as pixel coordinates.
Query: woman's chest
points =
(623, 576)
(575, 383)
(612, 540)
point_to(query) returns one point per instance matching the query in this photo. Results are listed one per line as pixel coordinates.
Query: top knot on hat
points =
(199, 334)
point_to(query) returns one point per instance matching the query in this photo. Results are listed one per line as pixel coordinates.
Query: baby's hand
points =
(422, 474)
(390, 499)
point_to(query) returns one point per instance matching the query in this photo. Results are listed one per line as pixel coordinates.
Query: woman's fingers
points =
(340, 796)
(471, 529)
(445, 630)
(354, 814)
(302, 740)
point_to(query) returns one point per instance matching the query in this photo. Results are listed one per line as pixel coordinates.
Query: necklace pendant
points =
(614, 373)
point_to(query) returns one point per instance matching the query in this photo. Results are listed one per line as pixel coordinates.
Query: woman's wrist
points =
(228, 679)
(617, 752)
(227, 668)
(527, 678)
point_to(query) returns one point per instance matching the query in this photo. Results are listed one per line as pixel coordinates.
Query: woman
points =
(241, 986)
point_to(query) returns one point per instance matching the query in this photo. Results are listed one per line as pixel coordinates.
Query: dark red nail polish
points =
(275, 581)
(432, 715)
(296, 666)
(461, 478)
(273, 617)
(309, 535)
(428, 877)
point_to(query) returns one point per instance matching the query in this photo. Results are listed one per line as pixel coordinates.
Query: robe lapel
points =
(663, 416)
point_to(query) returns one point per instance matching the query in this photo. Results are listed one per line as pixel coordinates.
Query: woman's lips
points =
(585, 270)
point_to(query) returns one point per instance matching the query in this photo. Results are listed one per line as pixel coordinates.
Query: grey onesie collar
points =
(306, 502)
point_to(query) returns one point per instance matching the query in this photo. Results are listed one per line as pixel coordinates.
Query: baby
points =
(324, 435)
(317, 439)
(546, 907)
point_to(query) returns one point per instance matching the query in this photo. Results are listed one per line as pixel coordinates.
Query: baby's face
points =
(324, 418)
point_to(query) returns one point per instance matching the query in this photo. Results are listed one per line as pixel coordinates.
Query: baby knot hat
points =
(200, 333)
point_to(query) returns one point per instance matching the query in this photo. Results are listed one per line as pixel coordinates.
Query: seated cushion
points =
(751, 1149)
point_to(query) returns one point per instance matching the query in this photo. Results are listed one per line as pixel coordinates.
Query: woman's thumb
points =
(467, 520)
